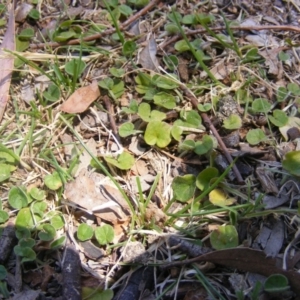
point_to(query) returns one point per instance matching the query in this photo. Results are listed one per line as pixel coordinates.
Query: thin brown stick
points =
(209, 124)
(219, 28)
(107, 32)
(112, 121)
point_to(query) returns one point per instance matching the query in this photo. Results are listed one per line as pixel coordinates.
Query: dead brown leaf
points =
(7, 63)
(81, 99)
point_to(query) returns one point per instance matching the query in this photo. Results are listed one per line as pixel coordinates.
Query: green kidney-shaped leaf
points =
(124, 161)
(144, 111)
(279, 118)
(291, 162)
(187, 145)
(164, 82)
(282, 94)
(96, 294)
(75, 66)
(4, 216)
(53, 181)
(204, 107)
(219, 198)
(127, 129)
(5, 170)
(57, 222)
(205, 176)
(181, 46)
(184, 187)
(37, 194)
(294, 88)
(17, 198)
(176, 132)
(189, 119)
(158, 133)
(255, 136)
(224, 237)
(26, 242)
(84, 232)
(232, 122)
(165, 100)
(104, 234)
(204, 146)
(276, 283)
(58, 243)
(3, 272)
(261, 105)
(48, 233)
(52, 93)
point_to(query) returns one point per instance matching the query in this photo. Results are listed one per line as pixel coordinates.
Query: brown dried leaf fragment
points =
(81, 99)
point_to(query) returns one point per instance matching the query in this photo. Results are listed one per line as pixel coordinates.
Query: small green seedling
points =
(184, 187)
(255, 136)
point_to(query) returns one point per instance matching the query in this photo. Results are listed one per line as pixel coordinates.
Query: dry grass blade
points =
(7, 63)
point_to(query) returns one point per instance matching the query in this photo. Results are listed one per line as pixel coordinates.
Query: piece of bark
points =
(140, 280)
(71, 274)
(7, 242)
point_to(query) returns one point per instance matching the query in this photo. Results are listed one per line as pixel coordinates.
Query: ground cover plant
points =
(149, 149)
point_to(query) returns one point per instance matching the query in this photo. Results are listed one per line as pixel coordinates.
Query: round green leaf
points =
(4, 172)
(165, 100)
(23, 233)
(17, 198)
(129, 47)
(48, 233)
(219, 198)
(126, 129)
(26, 242)
(104, 234)
(291, 162)
(4, 216)
(187, 145)
(261, 105)
(279, 118)
(124, 161)
(204, 146)
(119, 73)
(205, 176)
(39, 208)
(37, 194)
(294, 88)
(107, 83)
(3, 272)
(52, 93)
(184, 187)
(58, 243)
(63, 36)
(75, 67)
(53, 181)
(26, 34)
(57, 222)
(84, 232)
(181, 46)
(204, 107)
(176, 132)
(34, 14)
(282, 94)
(233, 122)
(224, 237)
(158, 133)
(276, 283)
(255, 136)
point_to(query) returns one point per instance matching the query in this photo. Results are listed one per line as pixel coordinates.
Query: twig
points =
(219, 28)
(209, 124)
(110, 111)
(93, 37)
